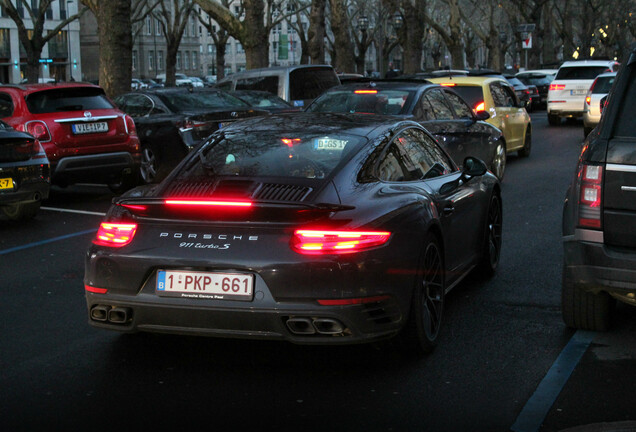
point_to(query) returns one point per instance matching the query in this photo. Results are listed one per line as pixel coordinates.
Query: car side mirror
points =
(482, 115)
(472, 167)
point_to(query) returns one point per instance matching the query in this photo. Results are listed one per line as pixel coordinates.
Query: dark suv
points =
(599, 215)
(85, 136)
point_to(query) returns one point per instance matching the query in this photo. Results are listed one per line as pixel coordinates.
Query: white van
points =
(566, 95)
(298, 85)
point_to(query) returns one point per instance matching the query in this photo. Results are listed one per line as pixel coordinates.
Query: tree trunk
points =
(115, 44)
(171, 62)
(256, 37)
(220, 58)
(414, 34)
(316, 32)
(342, 39)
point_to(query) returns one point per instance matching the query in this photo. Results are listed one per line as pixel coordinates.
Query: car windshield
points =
(367, 101)
(202, 100)
(473, 95)
(537, 80)
(580, 72)
(256, 154)
(515, 82)
(67, 99)
(263, 99)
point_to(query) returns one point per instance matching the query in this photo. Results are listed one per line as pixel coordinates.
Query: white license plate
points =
(578, 92)
(85, 128)
(6, 183)
(205, 285)
(330, 144)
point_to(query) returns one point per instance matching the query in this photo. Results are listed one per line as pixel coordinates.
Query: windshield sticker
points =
(330, 144)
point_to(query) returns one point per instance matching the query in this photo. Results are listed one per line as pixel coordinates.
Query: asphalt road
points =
(503, 362)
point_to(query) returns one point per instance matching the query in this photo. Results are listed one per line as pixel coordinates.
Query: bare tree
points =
(220, 36)
(34, 39)
(446, 20)
(115, 44)
(317, 31)
(487, 21)
(343, 47)
(174, 16)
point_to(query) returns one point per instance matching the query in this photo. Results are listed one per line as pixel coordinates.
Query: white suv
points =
(567, 92)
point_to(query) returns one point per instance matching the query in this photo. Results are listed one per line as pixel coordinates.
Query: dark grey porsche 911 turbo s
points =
(311, 228)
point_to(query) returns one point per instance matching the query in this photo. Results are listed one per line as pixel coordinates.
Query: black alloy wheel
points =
(425, 319)
(149, 164)
(492, 242)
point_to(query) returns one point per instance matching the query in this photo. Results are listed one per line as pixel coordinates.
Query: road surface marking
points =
(73, 211)
(30, 245)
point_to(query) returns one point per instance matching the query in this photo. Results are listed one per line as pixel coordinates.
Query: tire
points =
(527, 144)
(21, 211)
(585, 310)
(421, 331)
(491, 252)
(498, 165)
(554, 120)
(149, 169)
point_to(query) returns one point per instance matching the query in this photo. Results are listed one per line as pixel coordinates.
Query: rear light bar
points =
(206, 203)
(318, 242)
(557, 87)
(366, 92)
(39, 130)
(115, 234)
(591, 177)
(448, 84)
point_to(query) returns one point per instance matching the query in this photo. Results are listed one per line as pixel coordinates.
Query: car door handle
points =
(448, 210)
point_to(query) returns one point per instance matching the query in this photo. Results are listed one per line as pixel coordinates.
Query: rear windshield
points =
(603, 85)
(515, 81)
(200, 100)
(256, 154)
(581, 72)
(309, 83)
(363, 101)
(67, 99)
(263, 100)
(473, 95)
(264, 83)
(536, 80)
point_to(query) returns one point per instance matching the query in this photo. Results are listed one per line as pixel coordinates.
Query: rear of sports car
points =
(252, 241)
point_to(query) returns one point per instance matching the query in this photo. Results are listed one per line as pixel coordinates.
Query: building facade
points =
(60, 58)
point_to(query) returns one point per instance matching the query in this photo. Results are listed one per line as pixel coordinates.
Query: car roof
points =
(402, 84)
(34, 88)
(469, 80)
(273, 69)
(588, 63)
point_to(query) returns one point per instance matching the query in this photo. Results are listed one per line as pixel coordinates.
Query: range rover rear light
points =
(591, 177)
(557, 87)
(115, 234)
(39, 130)
(318, 242)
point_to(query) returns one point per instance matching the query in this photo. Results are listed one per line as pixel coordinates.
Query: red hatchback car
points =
(85, 136)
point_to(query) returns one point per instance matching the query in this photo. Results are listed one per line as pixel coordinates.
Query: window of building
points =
(135, 66)
(160, 60)
(195, 61)
(148, 29)
(210, 48)
(178, 65)
(239, 48)
(151, 60)
(186, 59)
(157, 27)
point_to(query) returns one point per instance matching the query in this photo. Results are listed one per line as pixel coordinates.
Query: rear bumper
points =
(97, 168)
(30, 183)
(594, 266)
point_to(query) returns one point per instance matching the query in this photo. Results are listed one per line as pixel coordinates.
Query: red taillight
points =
(95, 290)
(316, 242)
(557, 87)
(115, 234)
(448, 84)
(207, 203)
(366, 92)
(352, 301)
(130, 125)
(191, 124)
(481, 106)
(289, 142)
(588, 100)
(591, 177)
(39, 130)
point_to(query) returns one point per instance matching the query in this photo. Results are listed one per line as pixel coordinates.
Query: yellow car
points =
(497, 97)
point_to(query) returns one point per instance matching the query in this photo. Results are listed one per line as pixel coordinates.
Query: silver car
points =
(592, 105)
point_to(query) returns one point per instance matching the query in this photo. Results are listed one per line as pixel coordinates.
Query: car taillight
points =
(207, 203)
(481, 106)
(557, 86)
(189, 124)
(366, 92)
(115, 234)
(39, 130)
(448, 84)
(129, 123)
(588, 100)
(591, 177)
(317, 242)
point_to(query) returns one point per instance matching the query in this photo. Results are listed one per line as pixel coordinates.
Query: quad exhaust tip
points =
(309, 326)
(113, 315)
